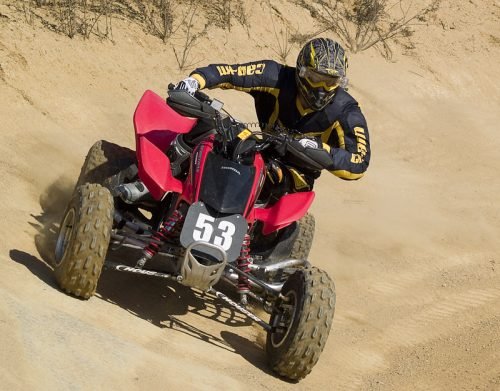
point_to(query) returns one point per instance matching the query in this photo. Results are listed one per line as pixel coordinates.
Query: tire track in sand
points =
(427, 324)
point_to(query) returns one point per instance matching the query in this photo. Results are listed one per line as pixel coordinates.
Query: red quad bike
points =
(192, 202)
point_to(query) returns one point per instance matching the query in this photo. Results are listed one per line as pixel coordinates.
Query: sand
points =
(413, 246)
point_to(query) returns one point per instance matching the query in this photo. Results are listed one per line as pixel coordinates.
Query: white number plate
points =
(226, 232)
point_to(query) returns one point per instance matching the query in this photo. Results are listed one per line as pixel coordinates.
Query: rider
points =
(310, 101)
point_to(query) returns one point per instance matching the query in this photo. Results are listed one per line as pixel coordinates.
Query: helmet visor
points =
(319, 80)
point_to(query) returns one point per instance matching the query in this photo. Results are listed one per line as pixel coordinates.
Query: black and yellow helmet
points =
(321, 68)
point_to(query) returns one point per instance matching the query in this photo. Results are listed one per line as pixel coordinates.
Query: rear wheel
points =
(83, 240)
(103, 161)
(303, 242)
(301, 321)
(292, 242)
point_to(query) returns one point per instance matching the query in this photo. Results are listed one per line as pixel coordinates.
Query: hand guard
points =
(189, 84)
(309, 143)
(281, 144)
(310, 154)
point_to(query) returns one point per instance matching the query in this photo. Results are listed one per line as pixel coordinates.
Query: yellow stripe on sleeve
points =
(346, 174)
(200, 79)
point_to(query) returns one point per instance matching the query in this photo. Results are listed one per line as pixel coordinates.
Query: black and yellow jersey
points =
(340, 124)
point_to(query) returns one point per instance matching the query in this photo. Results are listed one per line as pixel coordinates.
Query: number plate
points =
(226, 232)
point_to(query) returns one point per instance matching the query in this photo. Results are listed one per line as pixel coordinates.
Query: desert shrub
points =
(72, 17)
(283, 44)
(187, 36)
(362, 24)
(161, 18)
(157, 16)
(223, 13)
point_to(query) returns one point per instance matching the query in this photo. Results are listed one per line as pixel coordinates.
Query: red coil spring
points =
(160, 236)
(243, 263)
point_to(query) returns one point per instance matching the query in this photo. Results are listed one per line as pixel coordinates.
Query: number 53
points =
(205, 229)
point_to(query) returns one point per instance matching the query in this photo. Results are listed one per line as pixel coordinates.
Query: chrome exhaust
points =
(270, 267)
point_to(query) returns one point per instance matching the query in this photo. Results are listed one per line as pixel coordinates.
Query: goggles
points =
(319, 80)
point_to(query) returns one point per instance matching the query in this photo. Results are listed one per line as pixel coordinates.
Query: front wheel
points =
(83, 240)
(301, 321)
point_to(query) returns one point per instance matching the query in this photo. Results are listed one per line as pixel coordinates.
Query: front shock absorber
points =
(159, 237)
(243, 264)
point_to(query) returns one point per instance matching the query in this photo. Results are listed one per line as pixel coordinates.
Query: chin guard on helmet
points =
(316, 98)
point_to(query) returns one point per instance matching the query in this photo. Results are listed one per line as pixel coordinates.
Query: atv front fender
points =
(289, 208)
(156, 125)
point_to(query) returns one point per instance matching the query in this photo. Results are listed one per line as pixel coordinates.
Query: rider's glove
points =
(310, 143)
(189, 84)
(314, 154)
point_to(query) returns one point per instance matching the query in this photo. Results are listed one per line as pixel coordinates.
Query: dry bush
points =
(283, 43)
(158, 17)
(362, 24)
(84, 17)
(161, 18)
(72, 17)
(282, 36)
(27, 9)
(300, 38)
(223, 13)
(188, 34)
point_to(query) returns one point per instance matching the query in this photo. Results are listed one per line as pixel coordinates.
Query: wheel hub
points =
(64, 237)
(284, 319)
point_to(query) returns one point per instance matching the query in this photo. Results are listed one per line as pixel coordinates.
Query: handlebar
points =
(279, 138)
(198, 94)
(202, 96)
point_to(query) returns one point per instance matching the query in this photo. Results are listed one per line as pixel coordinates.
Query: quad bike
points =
(190, 201)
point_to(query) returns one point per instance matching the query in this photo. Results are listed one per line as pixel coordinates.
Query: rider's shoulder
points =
(343, 99)
(341, 104)
(277, 71)
(271, 64)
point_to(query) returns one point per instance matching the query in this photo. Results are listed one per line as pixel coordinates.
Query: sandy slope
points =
(412, 247)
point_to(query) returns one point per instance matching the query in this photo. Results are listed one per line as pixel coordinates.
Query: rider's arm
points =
(351, 153)
(253, 76)
(346, 147)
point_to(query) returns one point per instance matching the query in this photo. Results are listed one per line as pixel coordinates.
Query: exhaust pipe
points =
(276, 266)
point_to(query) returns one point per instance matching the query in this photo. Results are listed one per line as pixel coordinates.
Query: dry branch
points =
(362, 24)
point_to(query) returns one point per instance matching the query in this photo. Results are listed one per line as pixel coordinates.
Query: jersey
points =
(340, 124)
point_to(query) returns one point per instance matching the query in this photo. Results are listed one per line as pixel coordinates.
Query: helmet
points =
(321, 68)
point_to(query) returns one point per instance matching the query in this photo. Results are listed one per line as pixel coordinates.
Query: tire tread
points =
(81, 266)
(103, 160)
(313, 327)
(302, 244)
